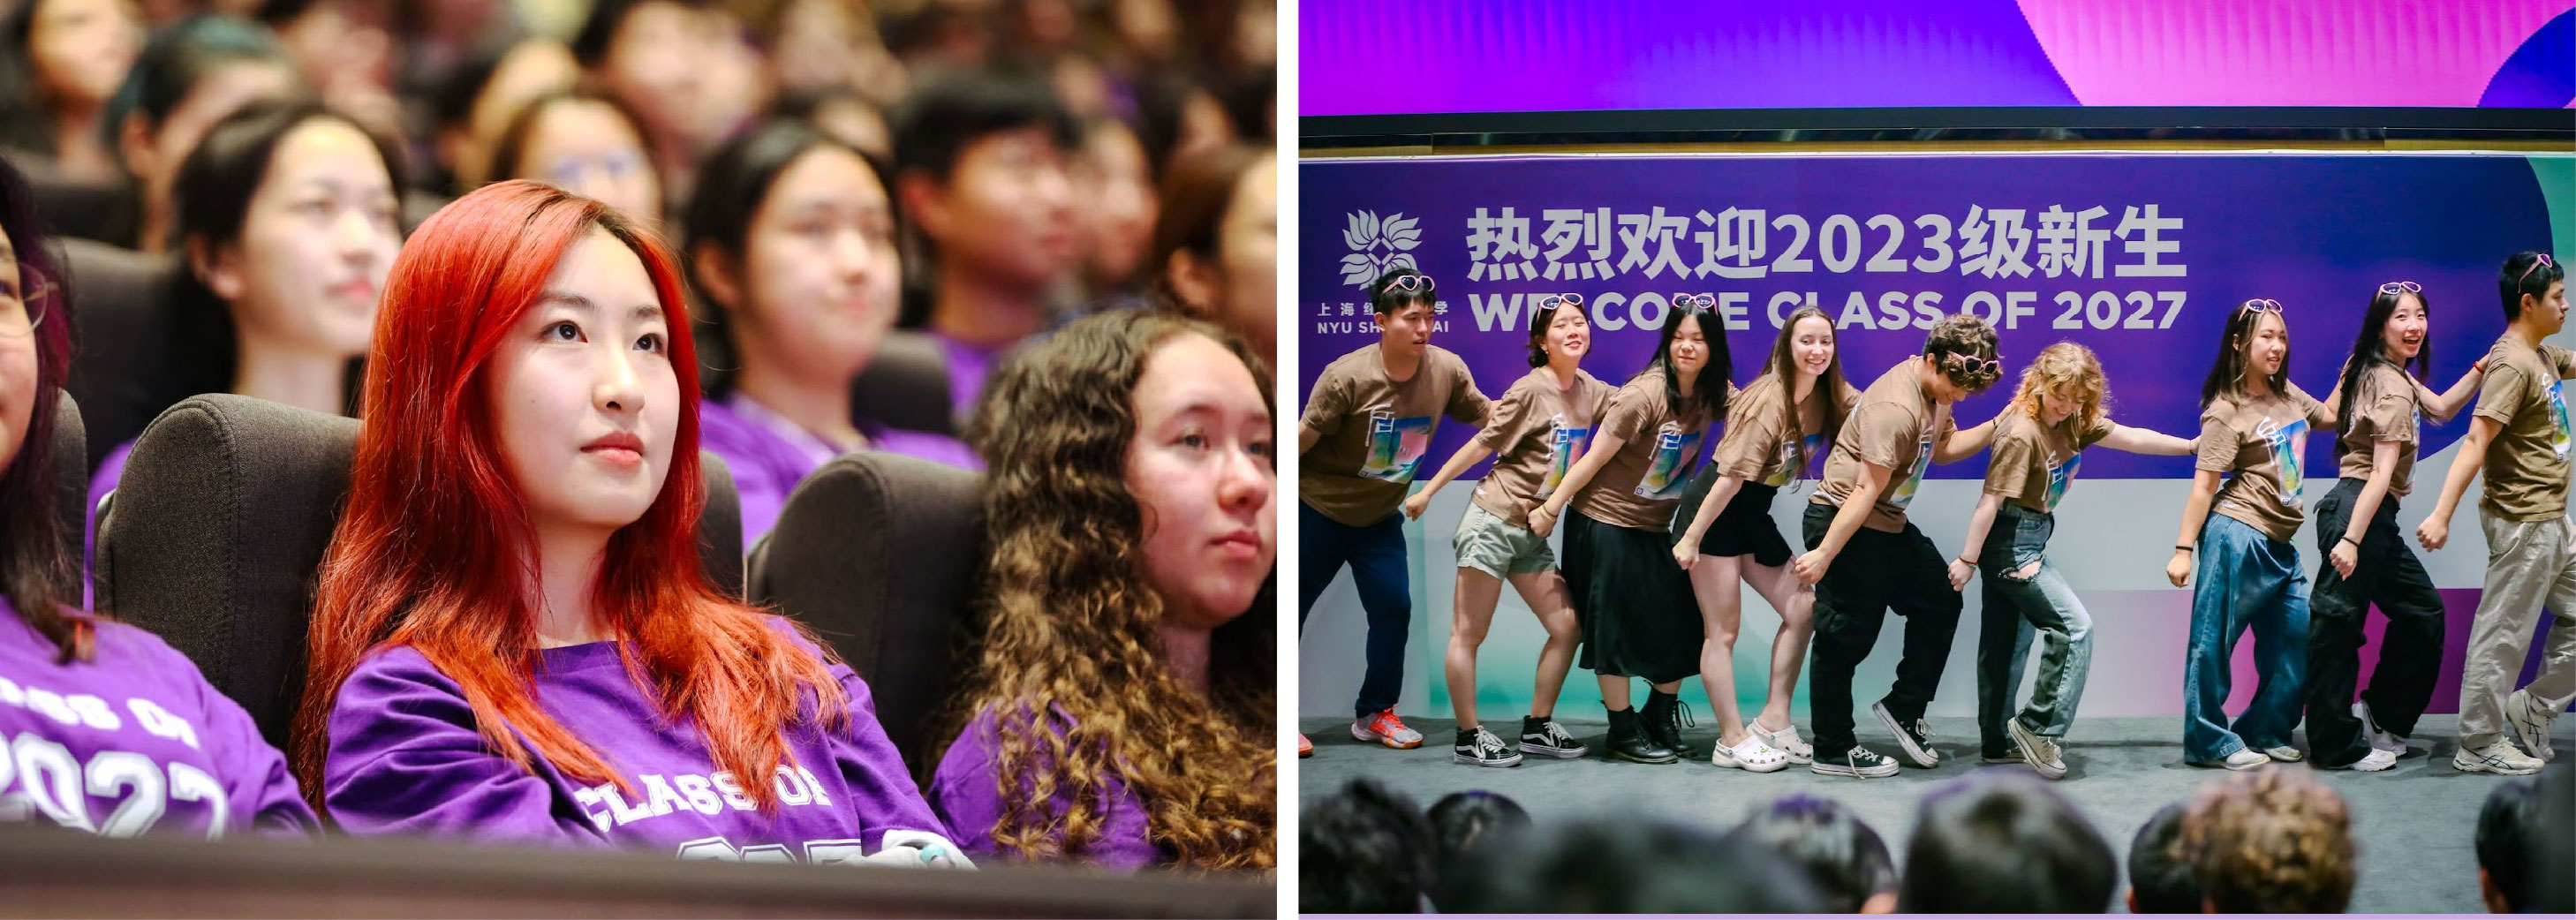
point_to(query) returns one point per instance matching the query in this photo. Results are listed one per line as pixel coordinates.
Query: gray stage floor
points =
(2416, 822)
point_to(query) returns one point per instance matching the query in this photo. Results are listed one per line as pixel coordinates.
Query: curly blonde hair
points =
(2070, 368)
(2271, 841)
(1069, 625)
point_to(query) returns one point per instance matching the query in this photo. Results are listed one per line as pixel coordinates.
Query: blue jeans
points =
(2246, 580)
(1375, 554)
(2018, 607)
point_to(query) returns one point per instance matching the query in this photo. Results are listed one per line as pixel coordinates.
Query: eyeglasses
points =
(35, 300)
(2260, 305)
(1410, 283)
(2401, 287)
(2539, 260)
(1552, 301)
(1702, 301)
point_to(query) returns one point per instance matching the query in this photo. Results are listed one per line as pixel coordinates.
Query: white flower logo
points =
(1379, 246)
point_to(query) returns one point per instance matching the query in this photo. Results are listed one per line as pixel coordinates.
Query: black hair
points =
(1709, 388)
(452, 103)
(513, 144)
(732, 185)
(1385, 298)
(2227, 370)
(2520, 278)
(1962, 346)
(2506, 836)
(180, 55)
(2370, 347)
(1628, 865)
(1191, 205)
(1542, 319)
(38, 568)
(947, 114)
(214, 191)
(2553, 851)
(1846, 859)
(23, 116)
(1460, 819)
(599, 29)
(1365, 849)
(2004, 845)
(2160, 879)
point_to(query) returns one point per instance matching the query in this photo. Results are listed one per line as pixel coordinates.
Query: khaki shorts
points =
(1489, 544)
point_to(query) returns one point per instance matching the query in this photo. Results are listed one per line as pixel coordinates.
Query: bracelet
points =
(2183, 547)
(2356, 544)
(1971, 562)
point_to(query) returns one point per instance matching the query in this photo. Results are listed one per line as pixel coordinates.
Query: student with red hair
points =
(514, 639)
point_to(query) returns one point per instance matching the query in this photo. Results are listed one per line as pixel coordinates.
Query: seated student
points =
(71, 54)
(115, 733)
(1216, 242)
(476, 104)
(586, 144)
(1363, 850)
(191, 74)
(1117, 211)
(2003, 844)
(2507, 846)
(289, 220)
(2270, 840)
(514, 640)
(1120, 710)
(792, 240)
(979, 167)
(2160, 879)
(1846, 859)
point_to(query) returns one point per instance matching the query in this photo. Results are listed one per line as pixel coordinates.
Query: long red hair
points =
(436, 550)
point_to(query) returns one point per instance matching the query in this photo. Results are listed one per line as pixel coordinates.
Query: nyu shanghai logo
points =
(1378, 246)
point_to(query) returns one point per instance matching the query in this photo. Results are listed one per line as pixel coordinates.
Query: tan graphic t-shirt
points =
(1757, 446)
(1374, 430)
(2263, 441)
(1640, 483)
(1893, 427)
(2033, 463)
(2383, 409)
(1537, 432)
(2527, 462)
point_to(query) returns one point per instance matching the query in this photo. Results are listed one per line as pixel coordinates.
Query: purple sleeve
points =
(264, 795)
(936, 448)
(883, 795)
(969, 795)
(404, 758)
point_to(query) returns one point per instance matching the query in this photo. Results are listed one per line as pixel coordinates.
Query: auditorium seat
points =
(215, 534)
(878, 554)
(71, 472)
(905, 386)
(92, 209)
(121, 331)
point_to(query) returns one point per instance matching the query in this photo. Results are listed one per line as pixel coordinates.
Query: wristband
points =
(1971, 562)
(2356, 544)
(2183, 547)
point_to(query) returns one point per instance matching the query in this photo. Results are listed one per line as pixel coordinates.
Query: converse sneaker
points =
(2380, 740)
(2497, 757)
(2378, 759)
(2284, 753)
(2530, 723)
(1546, 738)
(1859, 762)
(1786, 741)
(1481, 748)
(2038, 751)
(1385, 728)
(2243, 759)
(1914, 738)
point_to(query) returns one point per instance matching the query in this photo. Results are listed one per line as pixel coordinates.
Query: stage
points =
(2416, 822)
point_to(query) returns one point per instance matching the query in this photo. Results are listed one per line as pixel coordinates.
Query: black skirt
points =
(1638, 614)
(1743, 528)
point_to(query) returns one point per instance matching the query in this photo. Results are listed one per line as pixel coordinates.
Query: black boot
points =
(1663, 718)
(1629, 740)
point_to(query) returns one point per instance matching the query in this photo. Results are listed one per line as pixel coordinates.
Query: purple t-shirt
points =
(968, 365)
(968, 794)
(405, 759)
(132, 741)
(770, 455)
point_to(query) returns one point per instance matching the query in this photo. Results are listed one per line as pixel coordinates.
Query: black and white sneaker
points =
(1915, 738)
(1547, 739)
(1858, 762)
(1479, 747)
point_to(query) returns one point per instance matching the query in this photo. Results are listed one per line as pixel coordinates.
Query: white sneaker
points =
(2038, 751)
(1786, 741)
(1750, 755)
(2284, 754)
(2530, 724)
(1385, 728)
(2379, 740)
(2243, 759)
(2499, 758)
(2378, 759)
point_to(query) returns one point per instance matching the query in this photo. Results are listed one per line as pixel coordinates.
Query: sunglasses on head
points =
(2260, 305)
(1410, 283)
(2401, 287)
(2539, 260)
(1702, 301)
(1552, 301)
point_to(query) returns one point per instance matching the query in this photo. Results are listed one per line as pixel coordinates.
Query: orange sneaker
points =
(1305, 748)
(1384, 728)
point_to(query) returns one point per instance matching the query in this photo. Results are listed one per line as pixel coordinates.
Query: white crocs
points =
(1750, 755)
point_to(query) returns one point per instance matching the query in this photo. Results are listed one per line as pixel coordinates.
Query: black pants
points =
(1876, 571)
(2410, 650)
